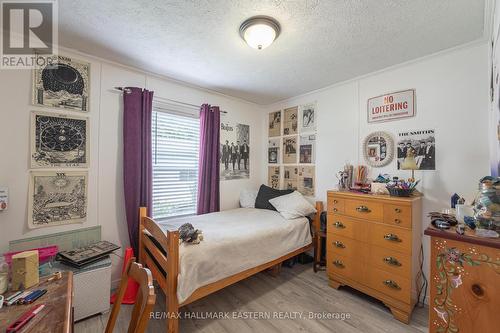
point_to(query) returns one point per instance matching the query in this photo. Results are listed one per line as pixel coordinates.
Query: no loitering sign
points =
(393, 106)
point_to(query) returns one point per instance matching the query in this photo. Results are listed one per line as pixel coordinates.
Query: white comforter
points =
(234, 240)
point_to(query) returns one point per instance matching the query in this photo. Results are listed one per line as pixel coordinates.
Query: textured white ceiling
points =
(322, 41)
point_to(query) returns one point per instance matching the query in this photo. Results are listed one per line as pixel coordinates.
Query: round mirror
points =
(378, 149)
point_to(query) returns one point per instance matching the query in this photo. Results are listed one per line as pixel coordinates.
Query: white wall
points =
(451, 97)
(105, 191)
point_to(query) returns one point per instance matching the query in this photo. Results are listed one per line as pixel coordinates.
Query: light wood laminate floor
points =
(295, 292)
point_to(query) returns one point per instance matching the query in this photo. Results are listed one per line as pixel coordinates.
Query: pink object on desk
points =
(44, 253)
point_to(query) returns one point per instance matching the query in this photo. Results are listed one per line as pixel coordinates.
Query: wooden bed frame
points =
(155, 259)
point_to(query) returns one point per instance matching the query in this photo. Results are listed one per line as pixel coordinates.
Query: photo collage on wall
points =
(292, 151)
(59, 143)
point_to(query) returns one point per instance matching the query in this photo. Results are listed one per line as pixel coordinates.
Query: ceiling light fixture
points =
(260, 31)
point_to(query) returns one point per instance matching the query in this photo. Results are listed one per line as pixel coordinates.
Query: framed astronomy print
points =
(290, 121)
(62, 83)
(57, 197)
(59, 140)
(290, 149)
(378, 149)
(275, 124)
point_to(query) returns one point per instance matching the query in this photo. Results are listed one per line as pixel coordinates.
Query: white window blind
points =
(175, 141)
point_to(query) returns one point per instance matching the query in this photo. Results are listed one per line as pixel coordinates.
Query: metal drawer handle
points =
(363, 209)
(398, 221)
(339, 225)
(338, 263)
(339, 244)
(397, 210)
(335, 210)
(392, 284)
(392, 261)
(335, 201)
(392, 238)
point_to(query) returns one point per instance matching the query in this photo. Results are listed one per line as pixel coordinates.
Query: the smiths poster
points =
(392, 106)
(416, 150)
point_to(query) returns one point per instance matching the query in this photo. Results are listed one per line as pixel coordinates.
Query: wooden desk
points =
(55, 317)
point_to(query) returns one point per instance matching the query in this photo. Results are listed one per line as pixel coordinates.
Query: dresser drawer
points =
(347, 247)
(391, 238)
(397, 215)
(346, 267)
(347, 227)
(335, 205)
(390, 284)
(364, 209)
(390, 261)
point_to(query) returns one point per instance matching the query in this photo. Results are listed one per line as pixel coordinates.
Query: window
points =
(175, 141)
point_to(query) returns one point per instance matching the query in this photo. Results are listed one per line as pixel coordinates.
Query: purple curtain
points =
(137, 157)
(208, 168)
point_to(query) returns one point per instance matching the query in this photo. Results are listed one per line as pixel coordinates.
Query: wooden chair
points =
(145, 301)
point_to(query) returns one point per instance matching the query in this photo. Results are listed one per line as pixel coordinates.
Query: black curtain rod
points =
(128, 91)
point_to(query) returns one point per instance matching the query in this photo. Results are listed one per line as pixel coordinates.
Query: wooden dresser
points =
(464, 283)
(373, 243)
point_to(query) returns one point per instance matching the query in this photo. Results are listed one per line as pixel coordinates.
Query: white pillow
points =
(247, 198)
(292, 206)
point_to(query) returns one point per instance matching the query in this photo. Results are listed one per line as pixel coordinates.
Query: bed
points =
(237, 243)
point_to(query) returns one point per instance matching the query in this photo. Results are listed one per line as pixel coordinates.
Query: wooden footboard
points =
(161, 256)
(163, 263)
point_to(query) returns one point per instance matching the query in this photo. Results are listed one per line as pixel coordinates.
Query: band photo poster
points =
(275, 124)
(63, 83)
(234, 151)
(416, 150)
(273, 177)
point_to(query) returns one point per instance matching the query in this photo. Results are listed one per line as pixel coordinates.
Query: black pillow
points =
(267, 193)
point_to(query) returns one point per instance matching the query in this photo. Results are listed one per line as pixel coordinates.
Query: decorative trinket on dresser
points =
(373, 243)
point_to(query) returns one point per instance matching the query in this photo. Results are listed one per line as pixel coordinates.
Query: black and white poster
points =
(307, 149)
(274, 124)
(416, 150)
(273, 151)
(306, 183)
(62, 83)
(290, 122)
(59, 140)
(290, 177)
(234, 151)
(273, 177)
(307, 118)
(57, 197)
(290, 150)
